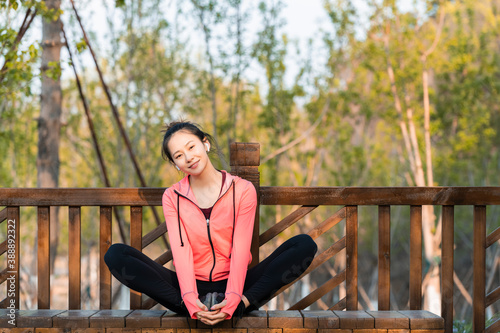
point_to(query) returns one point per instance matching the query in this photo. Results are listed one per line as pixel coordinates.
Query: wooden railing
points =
(245, 163)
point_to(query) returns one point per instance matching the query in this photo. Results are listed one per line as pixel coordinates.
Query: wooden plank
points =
(37, 318)
(109, 318)
(420, 319)
(302, 195)
(144, 318)
(74, 258)
(254, 319)
(327, 224)
(154, 234)
(3, 214)
(492, 297)
(320, 291)
(104, 244)
(352, 257)
(43, 257)
(355, 319)
(384, 257)
(53, 330)
(136, 242)
(3, 247)
(285, 319)
(13, 253)
(493, 237)
(494, 327)
(320, 319)
(341, 305)
(288, 221)
(271, 195)
(8, 318)
(173, 320)
(216, 329)
(479, 265)
(299, 330)
(390, 320)
(447, 248)
(244, 154)
(73, 319)
(416, 257)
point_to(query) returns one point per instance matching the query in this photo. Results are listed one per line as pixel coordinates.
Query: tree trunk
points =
(49, 123)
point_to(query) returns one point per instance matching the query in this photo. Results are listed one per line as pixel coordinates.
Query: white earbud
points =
(177, 168)
(208, 147)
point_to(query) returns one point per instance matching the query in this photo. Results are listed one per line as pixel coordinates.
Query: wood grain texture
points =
(423, 319)
(384, 257)
(352, 257)
(254, 319)
(416, 257)
(136, 242)
(73, 319)
(493, 237)
(13, 223)
(288, 221)
(269, 195)
(285, 319)
(43, 255)
(479, 279)
(144, 318)
(327, 224)
(104, 244)
(109, 318)
(355, 319)
(74, 258)
(36, 318)
(447, 248)
(320, 319)
(390, 320)
(173, 320)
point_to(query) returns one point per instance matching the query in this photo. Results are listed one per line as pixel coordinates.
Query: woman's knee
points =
(114, 254)
(306, 244)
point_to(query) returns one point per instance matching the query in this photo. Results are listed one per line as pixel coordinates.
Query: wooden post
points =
(416, 258)
(479, 265)
(135, 242)
(352, 257)
(74, 258)
(104, 244)
(384, 257)
(244, 162)
(447, 244)
(43, 257)
(13, 250)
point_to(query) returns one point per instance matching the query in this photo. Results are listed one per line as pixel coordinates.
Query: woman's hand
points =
(211, 317)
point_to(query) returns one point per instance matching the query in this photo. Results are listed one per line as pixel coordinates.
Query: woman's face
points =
(188, 152)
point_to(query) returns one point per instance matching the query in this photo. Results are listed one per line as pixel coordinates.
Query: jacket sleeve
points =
(183, 255)
(243, 231)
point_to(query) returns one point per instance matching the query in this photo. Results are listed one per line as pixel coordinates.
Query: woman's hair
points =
(186, 126)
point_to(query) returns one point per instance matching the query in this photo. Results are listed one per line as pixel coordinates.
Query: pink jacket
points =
(215, 249)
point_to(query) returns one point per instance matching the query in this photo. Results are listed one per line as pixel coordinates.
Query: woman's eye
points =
(191, 147)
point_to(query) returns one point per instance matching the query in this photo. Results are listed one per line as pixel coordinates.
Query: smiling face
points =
(188, 152)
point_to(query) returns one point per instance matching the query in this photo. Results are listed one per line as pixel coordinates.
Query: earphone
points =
(208, 147)
(177, 168)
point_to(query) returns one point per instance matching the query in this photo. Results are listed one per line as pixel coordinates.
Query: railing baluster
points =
(13, 267)
(415, 257)
(74, 257)
(384, 257)
(136, 242)
(43, 257)
(447, 244)
(104, 244)
(352, 257)
(479, 265)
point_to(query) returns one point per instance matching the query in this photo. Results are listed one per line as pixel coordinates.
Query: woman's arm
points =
(243, 231)
(183, 255)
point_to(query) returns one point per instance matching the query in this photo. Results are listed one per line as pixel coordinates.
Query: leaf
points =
(119, 3)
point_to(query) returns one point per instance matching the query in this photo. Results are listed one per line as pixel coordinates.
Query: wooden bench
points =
(245, 162)
(158, 321)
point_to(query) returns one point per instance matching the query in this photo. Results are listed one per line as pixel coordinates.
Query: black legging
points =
(142, 274)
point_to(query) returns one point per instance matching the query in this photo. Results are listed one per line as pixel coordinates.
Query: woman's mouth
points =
(194, 165)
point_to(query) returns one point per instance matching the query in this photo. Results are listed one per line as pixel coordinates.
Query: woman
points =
(210, 216)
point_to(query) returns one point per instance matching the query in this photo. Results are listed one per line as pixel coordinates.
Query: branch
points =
(300, 138)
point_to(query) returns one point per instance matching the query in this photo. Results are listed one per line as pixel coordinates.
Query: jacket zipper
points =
(208, 223)
(213, 250)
